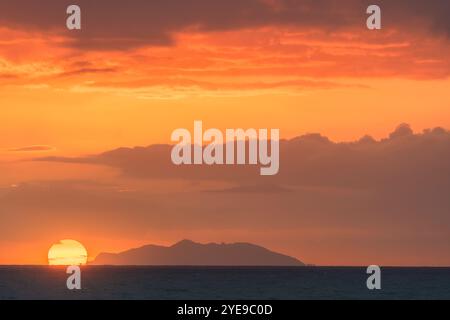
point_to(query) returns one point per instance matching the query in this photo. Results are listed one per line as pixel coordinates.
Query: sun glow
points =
(67, 253)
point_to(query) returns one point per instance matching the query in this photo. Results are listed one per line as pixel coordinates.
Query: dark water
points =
(223, 283)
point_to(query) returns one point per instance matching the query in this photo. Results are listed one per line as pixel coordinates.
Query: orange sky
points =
(76, 101)
(62, 95)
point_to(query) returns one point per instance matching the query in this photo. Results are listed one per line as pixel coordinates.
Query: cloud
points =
(403, 159)
(35, 148)
(178, 49)
(83, 71)
(267, 189)
(176, 88)
(367, 200)
(109, 24)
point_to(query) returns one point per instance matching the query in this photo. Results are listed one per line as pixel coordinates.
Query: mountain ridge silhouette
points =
(190, 253)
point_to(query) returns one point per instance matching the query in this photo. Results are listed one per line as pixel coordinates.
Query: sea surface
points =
(187, 283)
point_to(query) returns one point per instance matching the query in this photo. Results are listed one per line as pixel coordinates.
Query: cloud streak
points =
(113, 25)
(36, 148)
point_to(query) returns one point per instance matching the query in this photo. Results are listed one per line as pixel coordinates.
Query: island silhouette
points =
(189, 253)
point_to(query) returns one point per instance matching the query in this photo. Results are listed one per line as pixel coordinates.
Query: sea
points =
(222, 283)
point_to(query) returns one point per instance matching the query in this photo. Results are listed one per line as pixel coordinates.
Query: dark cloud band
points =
(114, 24)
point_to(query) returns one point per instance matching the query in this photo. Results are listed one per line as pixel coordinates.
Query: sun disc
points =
(67, 253)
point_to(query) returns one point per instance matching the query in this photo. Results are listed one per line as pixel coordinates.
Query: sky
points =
(86, 118)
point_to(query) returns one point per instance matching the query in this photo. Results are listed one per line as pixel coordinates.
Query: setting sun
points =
(67, 252)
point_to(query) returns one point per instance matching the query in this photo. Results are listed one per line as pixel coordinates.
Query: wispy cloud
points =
(36, 148)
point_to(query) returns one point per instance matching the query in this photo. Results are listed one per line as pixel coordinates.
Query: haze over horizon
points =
(364, 117)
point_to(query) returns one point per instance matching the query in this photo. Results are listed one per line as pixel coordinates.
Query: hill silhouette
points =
(189, 253)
